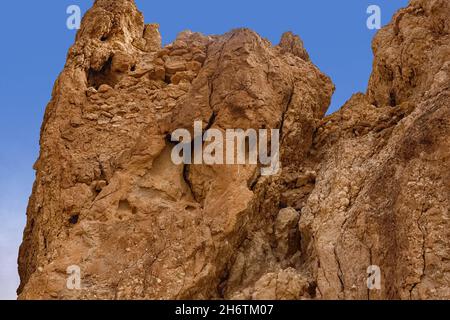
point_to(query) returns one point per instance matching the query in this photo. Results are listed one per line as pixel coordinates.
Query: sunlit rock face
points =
(366, 186)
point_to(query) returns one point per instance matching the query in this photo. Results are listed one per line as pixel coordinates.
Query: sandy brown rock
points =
(382, 192)
(368, 185)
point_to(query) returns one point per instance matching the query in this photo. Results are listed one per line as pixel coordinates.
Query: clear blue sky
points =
(35, 40)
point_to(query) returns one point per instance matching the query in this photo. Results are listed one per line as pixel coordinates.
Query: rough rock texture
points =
(368, 185)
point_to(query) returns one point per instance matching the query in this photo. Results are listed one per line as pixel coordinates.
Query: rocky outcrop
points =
(367, 185)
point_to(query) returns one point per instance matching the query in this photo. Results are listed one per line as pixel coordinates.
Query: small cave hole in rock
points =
(282, 204)
(103, 76)
(74, 219)
(392, 99)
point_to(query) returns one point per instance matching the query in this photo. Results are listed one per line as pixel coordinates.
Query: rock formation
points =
(367, 185)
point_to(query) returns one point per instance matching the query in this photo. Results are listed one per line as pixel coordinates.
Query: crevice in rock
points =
(223, 281)
(186, 167)
(424, 236)
(285, 111)
(278, 89)
(370, 263)
(185, 174)
(340, 274)
(253, 181)
(74, 219)
(103, 76)
(188, 181)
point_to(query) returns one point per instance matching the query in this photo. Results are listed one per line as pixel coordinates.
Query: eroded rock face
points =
(368, 185)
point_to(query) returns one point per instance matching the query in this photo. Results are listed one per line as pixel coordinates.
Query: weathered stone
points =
(367, 185)
(122, 62)
(175, 65)
(183, 76)
(157, 73)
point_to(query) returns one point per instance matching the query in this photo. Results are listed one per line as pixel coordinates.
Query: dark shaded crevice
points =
(285, 111)
(424, 236)
(210, 121)
(216, 72)
(312, 289)
(185, 174)
(392, 98)
(74, 219)
(223, 282)
(339, 273)
(103, 76)
(254, 180)
(186, 167)
(188, 181)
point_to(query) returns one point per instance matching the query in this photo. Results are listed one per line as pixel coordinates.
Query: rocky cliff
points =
(367, 185)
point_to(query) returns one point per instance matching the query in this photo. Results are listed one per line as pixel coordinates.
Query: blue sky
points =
(35, 41)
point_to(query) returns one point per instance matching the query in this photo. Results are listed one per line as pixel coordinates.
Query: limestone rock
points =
(367, 185)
